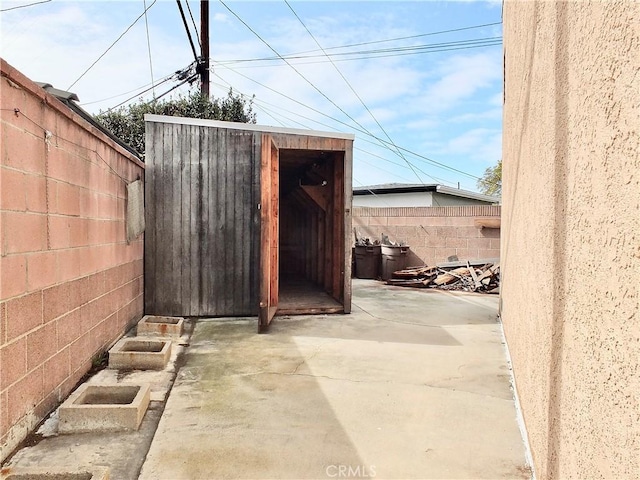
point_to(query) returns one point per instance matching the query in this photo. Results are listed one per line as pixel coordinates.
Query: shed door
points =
(269, 235)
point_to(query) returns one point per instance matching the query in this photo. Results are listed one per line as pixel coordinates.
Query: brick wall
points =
(69, 284)
(434, 233)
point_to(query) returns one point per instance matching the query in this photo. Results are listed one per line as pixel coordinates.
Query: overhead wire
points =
(353, 90)
(146, 23)
(184, 75)
(188, 30)
(195, 26)
(50, 134)
(24, 6)
(303, 77)
(378, 53)
(112, 45)
(391, 55)
(260, 103)
(288, 97)
(406, 37)
(139, 94)
(160, 80)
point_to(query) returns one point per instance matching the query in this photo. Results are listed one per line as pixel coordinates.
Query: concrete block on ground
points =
(22, 473)
(104, 408)
(158, 326)
(140, 354)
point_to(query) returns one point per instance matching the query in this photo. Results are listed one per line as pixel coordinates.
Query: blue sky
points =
(443, 105)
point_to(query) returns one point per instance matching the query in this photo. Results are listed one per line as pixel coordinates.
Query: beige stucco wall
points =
(571, 232)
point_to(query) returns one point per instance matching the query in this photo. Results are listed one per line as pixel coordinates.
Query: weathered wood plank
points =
(348, 205)
(254, 290)
(275, 224)
(165, 267)
(338, 228)
(153, 148)
(195, 215)
(265, 232)
(206, 250)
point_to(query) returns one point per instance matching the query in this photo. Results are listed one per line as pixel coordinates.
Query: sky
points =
(382, 70)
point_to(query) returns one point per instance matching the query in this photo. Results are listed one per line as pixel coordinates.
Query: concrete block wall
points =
(70, 285)
(434, 233)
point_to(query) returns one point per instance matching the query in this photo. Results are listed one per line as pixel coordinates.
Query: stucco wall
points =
(571, 232)
(433, 233)
(69, 283)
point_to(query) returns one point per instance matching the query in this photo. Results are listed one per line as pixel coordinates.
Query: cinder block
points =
(140, 354)
(104, 408)
(24, 473)
(13, 275)
(28, 232)
(157, 326)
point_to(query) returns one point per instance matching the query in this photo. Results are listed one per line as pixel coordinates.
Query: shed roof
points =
(387, 188)
(245, 126)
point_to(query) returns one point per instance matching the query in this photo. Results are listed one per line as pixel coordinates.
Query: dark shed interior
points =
(307, 236)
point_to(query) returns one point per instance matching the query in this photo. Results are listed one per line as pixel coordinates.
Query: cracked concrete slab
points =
(412, 384)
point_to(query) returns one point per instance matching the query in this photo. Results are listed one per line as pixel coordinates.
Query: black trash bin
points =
(367, 261)
(394, 258)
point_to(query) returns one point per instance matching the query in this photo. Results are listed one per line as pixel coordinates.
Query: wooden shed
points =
(245, 220)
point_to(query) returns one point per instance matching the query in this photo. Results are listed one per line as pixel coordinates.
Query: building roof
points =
(387, 188)
(70, 99)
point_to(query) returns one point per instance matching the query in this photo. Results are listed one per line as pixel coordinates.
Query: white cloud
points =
(492, 114)
(221, 17)
(459, 78)
(479, 144)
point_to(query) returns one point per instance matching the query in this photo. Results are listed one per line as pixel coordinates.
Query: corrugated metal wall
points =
(202, 234)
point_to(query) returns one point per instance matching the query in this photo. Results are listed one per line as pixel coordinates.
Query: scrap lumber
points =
(470, 276)
(449, 277)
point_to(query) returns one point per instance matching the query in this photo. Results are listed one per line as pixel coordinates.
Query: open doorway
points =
(311, 246)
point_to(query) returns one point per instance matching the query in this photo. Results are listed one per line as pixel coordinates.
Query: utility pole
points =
(204, 38)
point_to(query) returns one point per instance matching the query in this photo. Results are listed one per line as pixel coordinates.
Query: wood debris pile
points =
(364, 241)
(453, 276)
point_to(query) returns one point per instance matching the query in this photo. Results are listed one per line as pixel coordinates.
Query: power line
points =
(195, 27)
(406, 38)
(352, 89)
(496, 44)
(429, 160)
(111, 46)
(295, 122)
(146, 22)
(380, 52)
(384, 143)
(24, 6)
(184, 74)
(257, 102)
(186, 27)
(161, 80)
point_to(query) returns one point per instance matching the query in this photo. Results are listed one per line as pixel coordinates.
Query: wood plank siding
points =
(202, 223)
(213, 194)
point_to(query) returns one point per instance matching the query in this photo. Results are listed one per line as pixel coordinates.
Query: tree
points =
(127, 122)
(491, 181)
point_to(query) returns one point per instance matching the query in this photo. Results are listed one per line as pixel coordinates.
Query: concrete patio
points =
(412, 384)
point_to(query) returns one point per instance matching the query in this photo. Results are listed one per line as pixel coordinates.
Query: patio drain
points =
(104, 407)
(160, 326)
(136, 354)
